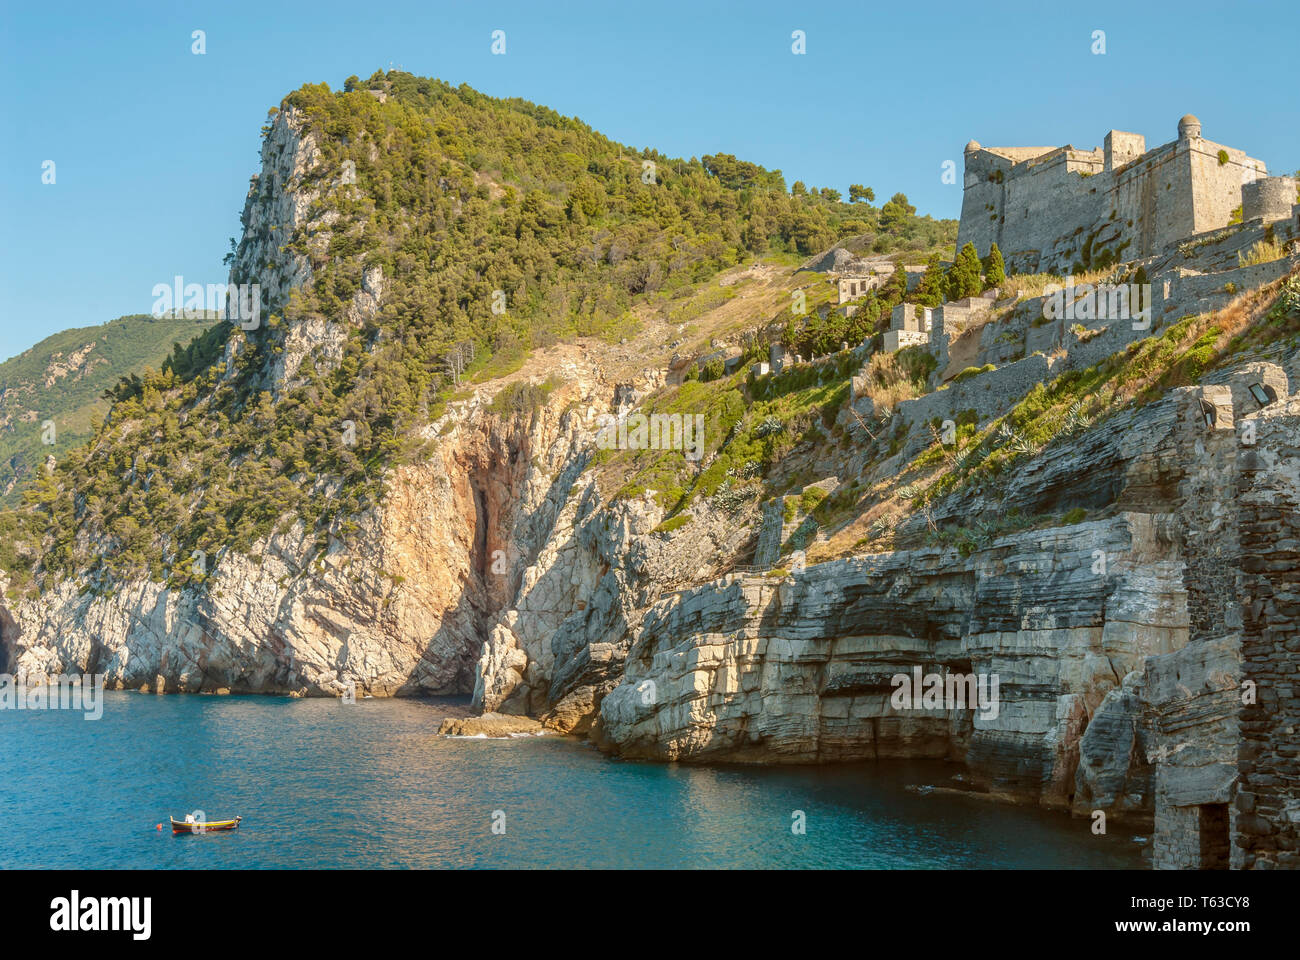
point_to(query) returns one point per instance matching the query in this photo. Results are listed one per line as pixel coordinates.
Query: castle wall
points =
(1046, 200)
(1122, 148)
(1149, 202)
(1055, 209)
(1216, 186)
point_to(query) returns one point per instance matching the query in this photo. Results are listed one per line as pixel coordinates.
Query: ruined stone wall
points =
(1180, 295)
(1223, 711)
(989, 394)
(1267, 812)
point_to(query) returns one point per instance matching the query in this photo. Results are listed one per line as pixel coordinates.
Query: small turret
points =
(1189, 127)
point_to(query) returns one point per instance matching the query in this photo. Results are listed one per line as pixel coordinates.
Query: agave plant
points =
(1010, 439)
(971, 457)
(1076, 419)
(910, 491)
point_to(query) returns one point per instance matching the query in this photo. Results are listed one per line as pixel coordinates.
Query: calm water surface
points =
(322, 784)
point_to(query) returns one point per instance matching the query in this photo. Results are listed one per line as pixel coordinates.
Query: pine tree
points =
(895, 287)
(896, 210)
(929, 292)
(964, 275)
(995, 272)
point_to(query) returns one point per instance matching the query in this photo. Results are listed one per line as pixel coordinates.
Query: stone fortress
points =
(1050, 208)
(1184, 213)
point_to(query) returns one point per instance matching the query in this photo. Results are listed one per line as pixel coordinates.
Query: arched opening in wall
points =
(1210, 414)
(1213, 823)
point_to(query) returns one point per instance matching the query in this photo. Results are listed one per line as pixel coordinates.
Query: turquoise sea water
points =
(321, 784)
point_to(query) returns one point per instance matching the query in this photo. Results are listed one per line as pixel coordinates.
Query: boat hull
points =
(211, 826)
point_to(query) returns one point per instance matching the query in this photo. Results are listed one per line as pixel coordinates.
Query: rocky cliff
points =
(514, 559)
(798, 669)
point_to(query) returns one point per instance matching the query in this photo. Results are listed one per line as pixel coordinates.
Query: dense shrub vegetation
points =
(465, 202)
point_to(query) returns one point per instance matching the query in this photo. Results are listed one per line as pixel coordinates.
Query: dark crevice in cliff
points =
(488, 470)
(478, 554)
(8, 638)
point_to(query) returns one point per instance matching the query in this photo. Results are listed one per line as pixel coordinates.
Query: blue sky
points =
(154, 145)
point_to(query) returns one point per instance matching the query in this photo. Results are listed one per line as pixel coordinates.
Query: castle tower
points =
(1189, 127)
(1268, 198)
(1122, 148)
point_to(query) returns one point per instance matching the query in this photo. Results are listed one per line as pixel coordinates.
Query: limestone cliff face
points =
(281, 202)
(401, 611)
(799, 669)
(561, 644)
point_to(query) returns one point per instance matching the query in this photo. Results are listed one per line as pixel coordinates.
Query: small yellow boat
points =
(206, 826)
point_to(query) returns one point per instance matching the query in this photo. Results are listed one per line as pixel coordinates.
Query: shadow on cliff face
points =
(489, 472)
(458, 638)
(8, 637)
(576, 604)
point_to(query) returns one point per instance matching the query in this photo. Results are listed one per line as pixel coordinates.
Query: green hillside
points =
(62, 379)
(461, 198)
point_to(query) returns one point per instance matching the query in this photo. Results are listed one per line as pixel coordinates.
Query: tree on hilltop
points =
(858, 192)
(895, 211)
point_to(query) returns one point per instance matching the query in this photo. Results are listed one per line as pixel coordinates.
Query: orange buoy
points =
(159, 826)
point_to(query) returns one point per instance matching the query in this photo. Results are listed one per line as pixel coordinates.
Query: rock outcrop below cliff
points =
(799, 669)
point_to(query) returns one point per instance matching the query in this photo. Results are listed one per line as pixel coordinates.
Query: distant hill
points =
(62, 379)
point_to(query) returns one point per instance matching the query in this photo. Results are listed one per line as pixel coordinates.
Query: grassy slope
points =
(766, 436)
